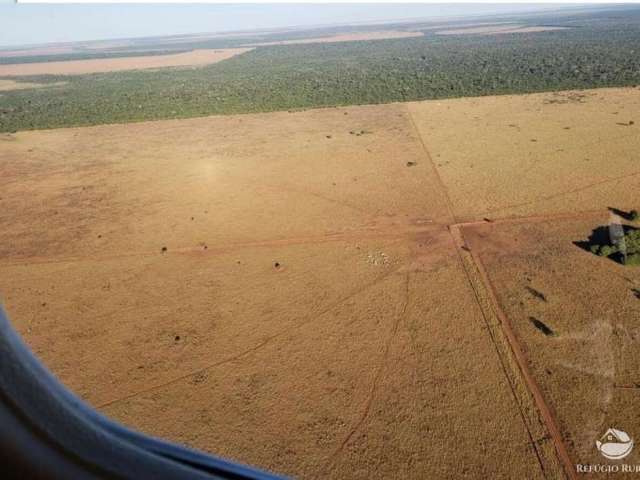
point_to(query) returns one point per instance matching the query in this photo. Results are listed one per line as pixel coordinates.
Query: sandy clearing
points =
(79, 67)
(327, 329)
(498, 29)
(531, 154)
(8, 85)
(345, 37)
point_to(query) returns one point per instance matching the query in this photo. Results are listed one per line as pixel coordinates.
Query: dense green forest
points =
(600, 49)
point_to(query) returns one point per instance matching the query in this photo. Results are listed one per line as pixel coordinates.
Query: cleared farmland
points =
(288, 289)
(576, 316)
(530, 154)
(97, 65)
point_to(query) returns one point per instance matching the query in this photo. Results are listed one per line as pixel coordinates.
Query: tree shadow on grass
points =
(600, 237)
(624, 214)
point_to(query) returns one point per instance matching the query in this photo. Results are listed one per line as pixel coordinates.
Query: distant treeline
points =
(601, 50)
(83, 56)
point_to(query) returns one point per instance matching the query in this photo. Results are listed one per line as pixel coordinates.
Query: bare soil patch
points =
(79, 67)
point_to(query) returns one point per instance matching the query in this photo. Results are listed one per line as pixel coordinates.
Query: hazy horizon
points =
(33, 24)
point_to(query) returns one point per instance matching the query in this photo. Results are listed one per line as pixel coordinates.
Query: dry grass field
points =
(296, 290)
(588, 363)
(97, 65)
(518, 155)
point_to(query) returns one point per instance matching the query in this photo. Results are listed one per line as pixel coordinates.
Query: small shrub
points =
(633, 260)
(606, 250)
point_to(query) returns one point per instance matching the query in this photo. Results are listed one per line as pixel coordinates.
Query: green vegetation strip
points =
(596, 52)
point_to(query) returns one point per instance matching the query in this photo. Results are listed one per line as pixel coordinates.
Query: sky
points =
(23, 24)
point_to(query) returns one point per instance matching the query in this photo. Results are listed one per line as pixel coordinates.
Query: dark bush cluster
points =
(626, 249)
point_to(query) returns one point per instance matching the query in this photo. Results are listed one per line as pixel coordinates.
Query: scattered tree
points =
(626, 248)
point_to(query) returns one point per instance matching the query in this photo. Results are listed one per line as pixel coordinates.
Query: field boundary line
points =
(563, 193)
(365, 233)
(506, 363)
(550, 217)
(522, 362)
(502, 354)
(436, 173)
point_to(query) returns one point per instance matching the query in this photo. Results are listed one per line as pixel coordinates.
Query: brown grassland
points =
(97, 65)
(342, 292)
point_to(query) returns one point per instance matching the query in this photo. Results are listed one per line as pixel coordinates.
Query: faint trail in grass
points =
(436, 173)
(259, 345)
(562, 194)
(376, 380)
